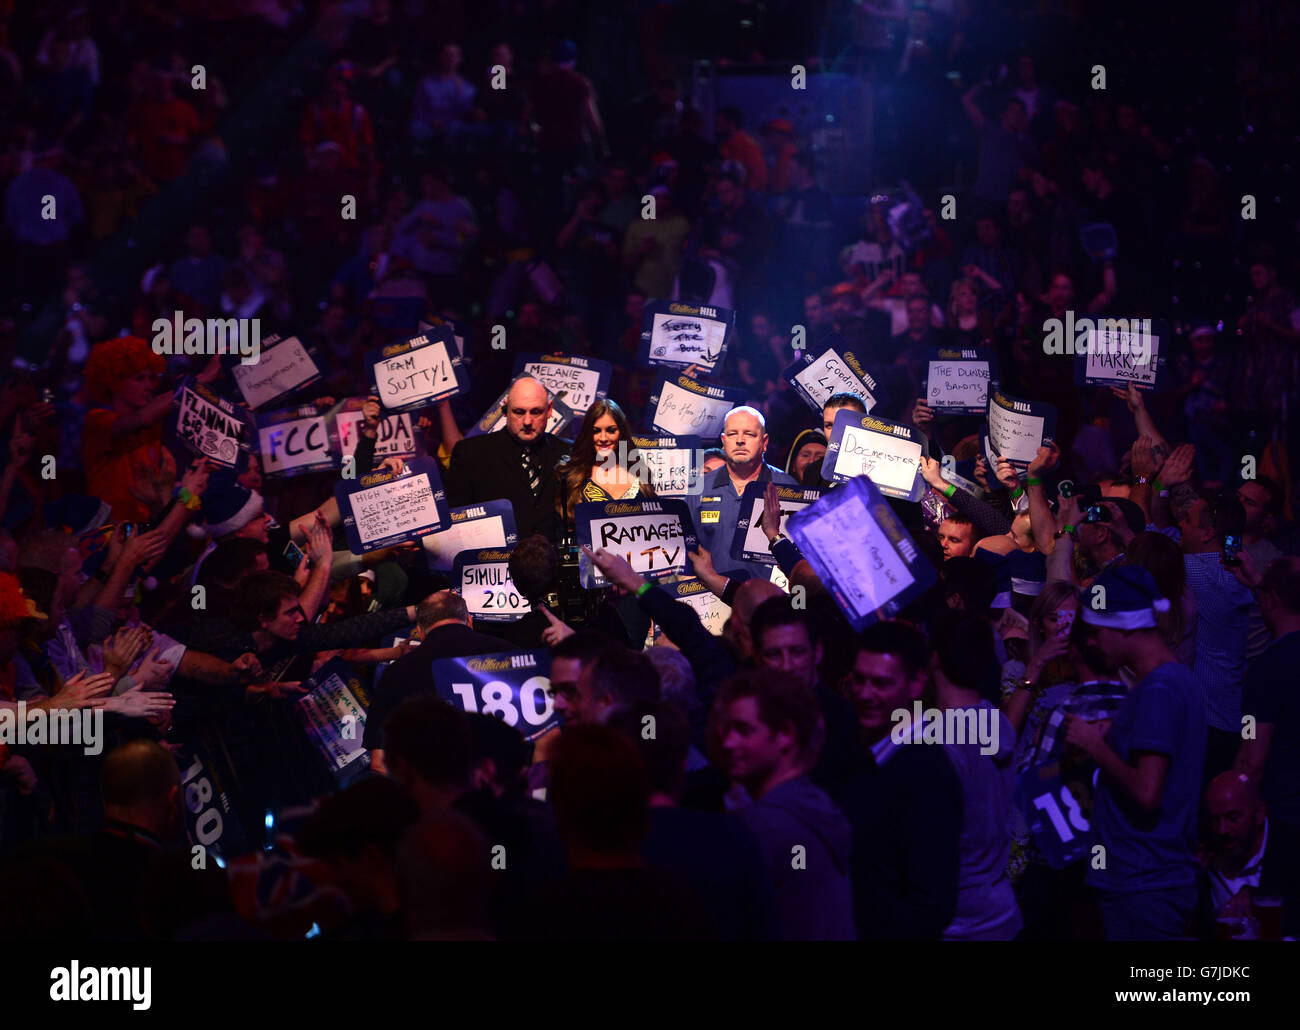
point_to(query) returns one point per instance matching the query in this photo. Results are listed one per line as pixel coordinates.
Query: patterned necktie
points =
(530, 472)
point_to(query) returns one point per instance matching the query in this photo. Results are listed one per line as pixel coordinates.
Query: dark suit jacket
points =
(487, 468)
(412, 674)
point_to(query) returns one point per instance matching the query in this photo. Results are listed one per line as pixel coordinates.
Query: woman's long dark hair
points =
(575, 470)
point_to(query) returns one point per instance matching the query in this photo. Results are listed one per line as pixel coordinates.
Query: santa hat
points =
(1123, 597)
(229, 508)
(1028, 571)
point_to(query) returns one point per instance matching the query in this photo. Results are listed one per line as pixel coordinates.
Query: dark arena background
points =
(649, 471)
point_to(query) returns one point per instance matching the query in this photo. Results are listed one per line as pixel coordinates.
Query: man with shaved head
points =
(717, 507)
(1238, 836)
(516, 463)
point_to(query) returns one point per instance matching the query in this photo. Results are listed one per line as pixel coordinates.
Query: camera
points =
(1231, 549)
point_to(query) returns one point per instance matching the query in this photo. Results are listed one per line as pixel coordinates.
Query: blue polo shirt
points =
(716, 510)
(1163, 714)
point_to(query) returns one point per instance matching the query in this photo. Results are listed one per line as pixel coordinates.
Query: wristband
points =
(188, 498)
(1033, 481)
(1067, 529)
(644, 588)
(949, 490)
(1159, 487)
(1017, 493)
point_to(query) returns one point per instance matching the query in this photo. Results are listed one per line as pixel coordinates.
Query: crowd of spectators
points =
(338, 171)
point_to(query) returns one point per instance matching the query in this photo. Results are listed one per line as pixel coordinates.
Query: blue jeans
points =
(1160, 915)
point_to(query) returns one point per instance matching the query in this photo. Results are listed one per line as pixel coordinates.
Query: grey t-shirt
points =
(986, 903)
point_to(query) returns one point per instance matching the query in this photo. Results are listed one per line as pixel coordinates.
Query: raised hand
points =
(320, 540)
(1131, 396)
(1006, 474)
(141, 704)
(932, 473)
(1143, 459)
(702, 562)
(922, 414)
(615, 569)
(1178, 466)
(248, 667)
(124, 647)
(1068, 513)
(153, 673)
(84, 690)
(770, 520)
(144, 548)
(195, 479)
(557, 630)
(1049, 454)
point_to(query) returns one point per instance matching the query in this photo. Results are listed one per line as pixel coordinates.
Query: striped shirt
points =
(1223, 608)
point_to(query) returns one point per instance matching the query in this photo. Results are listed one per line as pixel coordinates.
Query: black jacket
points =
(488, 468)
(412, 674)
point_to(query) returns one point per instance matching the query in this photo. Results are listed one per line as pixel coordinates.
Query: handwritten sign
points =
(886, 452)
(682, 406)
(680, 335)
(293, 442)
(396, 437)
(1017, 427)
(514, 687)
(831, 368)
(1121, 354)
(285, 366)
(577, 381)
(482, 577)
(417, 372)
(957, 381)
(708, 606)
(382, 509)
(561, 421)
(651, 536)
(749, 543)
(211, 426)
(333, 712)
(470, 528)
(860, 550)
(672, 463)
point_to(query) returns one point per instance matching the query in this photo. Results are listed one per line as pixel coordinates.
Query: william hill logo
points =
(624, 509)
(468, 513)
(682, 309)
(691, 588)
(491, 555)
(510, 661)
(404, 346)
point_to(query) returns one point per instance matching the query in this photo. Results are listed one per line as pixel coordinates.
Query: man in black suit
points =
(516, 464)
(444, 628)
